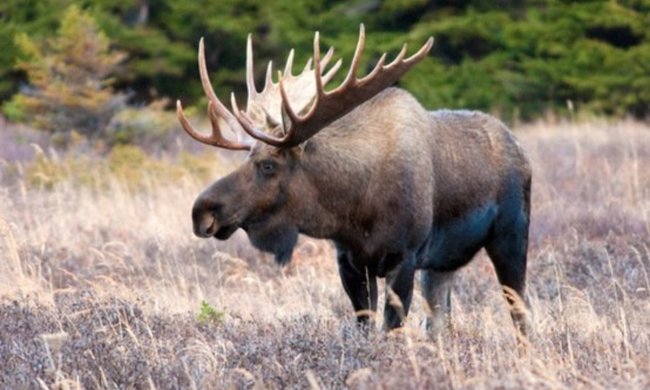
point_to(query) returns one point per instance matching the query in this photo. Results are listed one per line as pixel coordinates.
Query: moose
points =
(395, 187)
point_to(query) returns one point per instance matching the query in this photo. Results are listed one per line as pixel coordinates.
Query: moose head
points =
(274, 195)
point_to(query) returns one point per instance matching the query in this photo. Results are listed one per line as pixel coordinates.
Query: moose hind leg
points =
(508, 251)
(510, 267)
(436, 289)
(361, 287)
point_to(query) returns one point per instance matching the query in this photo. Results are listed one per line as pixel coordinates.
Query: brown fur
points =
(378, 182)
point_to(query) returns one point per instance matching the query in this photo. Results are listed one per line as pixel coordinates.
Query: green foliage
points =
(209, 315)
(14, 109)
(69, 78)
(521, 62)
(517, 58)
(37, 18)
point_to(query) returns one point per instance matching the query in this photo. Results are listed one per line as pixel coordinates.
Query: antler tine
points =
(216, 138)
(327, 57)
(330, 73)
(378, 68)
(250, 78)
(286, 106)
(422, 52)
(207, 88)
(205, 79)
(186, 124)
(356, 59)
(268, 79)
(249, 127)
(320, 90)
(307, 67)
(214, 107)
(400, 56)
(317, 70)
(289, 65)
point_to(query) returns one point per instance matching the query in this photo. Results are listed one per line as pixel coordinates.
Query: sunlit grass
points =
(103, 286)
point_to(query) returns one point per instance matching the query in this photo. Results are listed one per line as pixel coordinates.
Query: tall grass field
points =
(104, 285)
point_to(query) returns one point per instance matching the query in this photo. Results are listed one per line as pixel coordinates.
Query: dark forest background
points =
(518, 59)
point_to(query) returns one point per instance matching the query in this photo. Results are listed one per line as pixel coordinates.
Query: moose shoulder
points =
(397, 188)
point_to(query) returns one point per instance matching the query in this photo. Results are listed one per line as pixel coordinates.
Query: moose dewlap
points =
(397, 188)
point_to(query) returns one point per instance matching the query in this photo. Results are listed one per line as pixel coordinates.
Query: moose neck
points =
(351, 171)
(338, 179)
(339, 165)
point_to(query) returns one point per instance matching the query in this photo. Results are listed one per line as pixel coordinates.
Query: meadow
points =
(103, 284)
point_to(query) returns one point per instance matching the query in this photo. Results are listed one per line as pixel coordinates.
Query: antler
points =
(329, 106)
(216, 110)
(326, 107)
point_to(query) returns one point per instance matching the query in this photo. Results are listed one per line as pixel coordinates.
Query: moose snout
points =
(205, 226)
(204, 218)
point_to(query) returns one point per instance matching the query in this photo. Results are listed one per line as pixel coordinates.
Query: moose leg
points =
(399, 290)
(511, 271)
(508, 251)
(436, 289)
(361, 287)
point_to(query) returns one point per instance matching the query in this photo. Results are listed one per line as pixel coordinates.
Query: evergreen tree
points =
(516, 58)
(69, 78)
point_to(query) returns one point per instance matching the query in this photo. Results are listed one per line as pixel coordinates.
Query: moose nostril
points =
(206, 214)
(205, 226)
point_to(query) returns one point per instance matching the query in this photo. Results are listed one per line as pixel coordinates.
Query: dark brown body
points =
(396, 188)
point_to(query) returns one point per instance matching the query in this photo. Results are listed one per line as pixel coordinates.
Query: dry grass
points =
(103, 289)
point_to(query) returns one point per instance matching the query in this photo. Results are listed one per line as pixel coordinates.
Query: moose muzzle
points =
(209, 222)
(205, 224)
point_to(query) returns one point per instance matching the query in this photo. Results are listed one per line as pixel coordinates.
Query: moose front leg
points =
(399, 289)
(361, 287)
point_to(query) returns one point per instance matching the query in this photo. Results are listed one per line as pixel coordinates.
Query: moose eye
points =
(267, 167)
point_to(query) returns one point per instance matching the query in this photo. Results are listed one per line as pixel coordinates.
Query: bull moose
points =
(396, 188)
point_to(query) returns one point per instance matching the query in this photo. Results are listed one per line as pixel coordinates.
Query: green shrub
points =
(209, 315)
(69, 77)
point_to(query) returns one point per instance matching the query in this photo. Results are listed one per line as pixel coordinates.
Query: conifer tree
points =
(69, 78)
